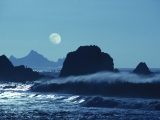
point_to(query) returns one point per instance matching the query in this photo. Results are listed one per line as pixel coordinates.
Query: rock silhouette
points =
(18, 74)
(5, 63)
(142, 69)
(86, 60)
(116, 70)
(34, 59)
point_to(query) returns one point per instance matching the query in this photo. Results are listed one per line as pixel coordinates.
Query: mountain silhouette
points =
(34, 59)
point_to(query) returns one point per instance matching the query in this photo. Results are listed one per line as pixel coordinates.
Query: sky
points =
(128, 30)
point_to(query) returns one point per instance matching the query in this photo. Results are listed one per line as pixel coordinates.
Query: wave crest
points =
(120, 103)
(105, 83)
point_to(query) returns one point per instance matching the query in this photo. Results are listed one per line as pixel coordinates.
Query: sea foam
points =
(104, 83)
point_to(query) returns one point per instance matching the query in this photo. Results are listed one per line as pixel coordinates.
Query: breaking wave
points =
(10, 86)
(104, 83)
(121, 103)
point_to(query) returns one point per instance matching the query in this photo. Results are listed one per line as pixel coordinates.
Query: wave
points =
(121, 103)
(104, 83)
(10, 86)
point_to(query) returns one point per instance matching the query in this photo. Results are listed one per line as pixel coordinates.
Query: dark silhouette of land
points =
(16, 74)
(34, 59)
(86, 60)
(142, 69)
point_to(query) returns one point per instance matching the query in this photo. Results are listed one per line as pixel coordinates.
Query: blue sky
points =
(129, 30)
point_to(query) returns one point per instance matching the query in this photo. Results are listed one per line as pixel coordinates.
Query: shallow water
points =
(16, 102)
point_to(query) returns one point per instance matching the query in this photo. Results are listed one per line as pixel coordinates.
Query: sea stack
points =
(16, 74)
(86, 60)
(142, 69)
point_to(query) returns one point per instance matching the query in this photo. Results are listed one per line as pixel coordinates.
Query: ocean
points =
(88, 97)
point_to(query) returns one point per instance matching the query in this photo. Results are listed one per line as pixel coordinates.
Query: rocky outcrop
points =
(116, 70)
(5, 63)
(142, 69)
(86, 60)
(17, 74)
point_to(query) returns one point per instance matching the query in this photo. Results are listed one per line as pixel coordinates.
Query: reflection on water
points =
(16, 102)
(26, 105)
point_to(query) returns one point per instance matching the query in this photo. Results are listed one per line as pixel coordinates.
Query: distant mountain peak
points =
(33, 52)
(34, 59)
(12, 57)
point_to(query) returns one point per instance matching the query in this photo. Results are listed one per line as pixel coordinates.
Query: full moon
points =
(55, 38)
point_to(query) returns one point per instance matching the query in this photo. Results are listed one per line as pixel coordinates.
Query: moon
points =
(55, 38)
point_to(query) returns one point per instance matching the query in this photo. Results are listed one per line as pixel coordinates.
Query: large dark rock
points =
(86, 60)
(18, 74)
(142, 69)
(5, 63)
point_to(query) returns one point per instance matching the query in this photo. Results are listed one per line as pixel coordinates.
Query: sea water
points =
(19, 101)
